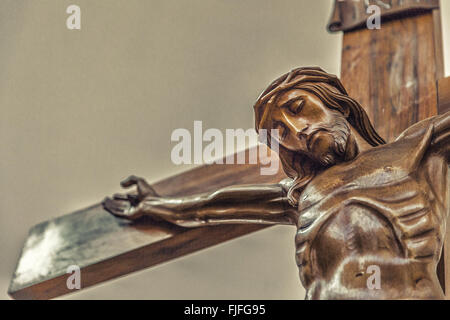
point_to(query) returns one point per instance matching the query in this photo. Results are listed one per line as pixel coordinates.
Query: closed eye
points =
(283, 130)
(296, 106)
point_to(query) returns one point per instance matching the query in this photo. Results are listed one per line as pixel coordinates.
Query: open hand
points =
(129, 206)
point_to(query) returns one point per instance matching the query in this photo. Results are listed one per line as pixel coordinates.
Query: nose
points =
(296, 125)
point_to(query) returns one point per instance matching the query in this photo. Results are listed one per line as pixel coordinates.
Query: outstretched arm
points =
(251, 204)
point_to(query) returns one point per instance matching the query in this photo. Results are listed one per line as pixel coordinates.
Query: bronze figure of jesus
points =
(355, 200)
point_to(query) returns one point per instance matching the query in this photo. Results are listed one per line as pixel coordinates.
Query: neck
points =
(355, 145)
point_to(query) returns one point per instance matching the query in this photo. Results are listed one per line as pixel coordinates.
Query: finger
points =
(107, 202)
(121, 209)
(123, 201)
(134, 199)
(120, 196)
(130, 181)
(111, 206)
(122, 205)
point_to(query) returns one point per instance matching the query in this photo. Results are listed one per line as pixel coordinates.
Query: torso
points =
(386, 209)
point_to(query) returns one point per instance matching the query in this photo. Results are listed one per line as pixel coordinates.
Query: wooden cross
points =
(395, 72)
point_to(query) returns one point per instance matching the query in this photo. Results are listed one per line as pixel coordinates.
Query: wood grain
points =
(392, 72)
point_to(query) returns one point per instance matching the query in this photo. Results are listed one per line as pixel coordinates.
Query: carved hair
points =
(329, 89)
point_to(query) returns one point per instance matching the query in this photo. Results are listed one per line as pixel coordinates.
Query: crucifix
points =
(389, 201)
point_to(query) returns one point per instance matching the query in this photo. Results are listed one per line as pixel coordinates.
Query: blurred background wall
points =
(80, 110)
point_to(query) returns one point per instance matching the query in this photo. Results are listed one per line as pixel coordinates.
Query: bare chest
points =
(389, 212)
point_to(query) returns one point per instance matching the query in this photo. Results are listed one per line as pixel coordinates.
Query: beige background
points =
(80, 110)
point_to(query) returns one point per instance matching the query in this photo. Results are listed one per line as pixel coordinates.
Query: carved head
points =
(314, 115)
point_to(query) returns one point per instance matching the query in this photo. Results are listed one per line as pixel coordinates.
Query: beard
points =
(328, 143)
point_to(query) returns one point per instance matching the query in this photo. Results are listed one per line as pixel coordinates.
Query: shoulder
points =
(438, 124)
(435, 129)
(417, 130)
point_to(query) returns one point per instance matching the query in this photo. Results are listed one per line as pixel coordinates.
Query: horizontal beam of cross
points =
(105, 247)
